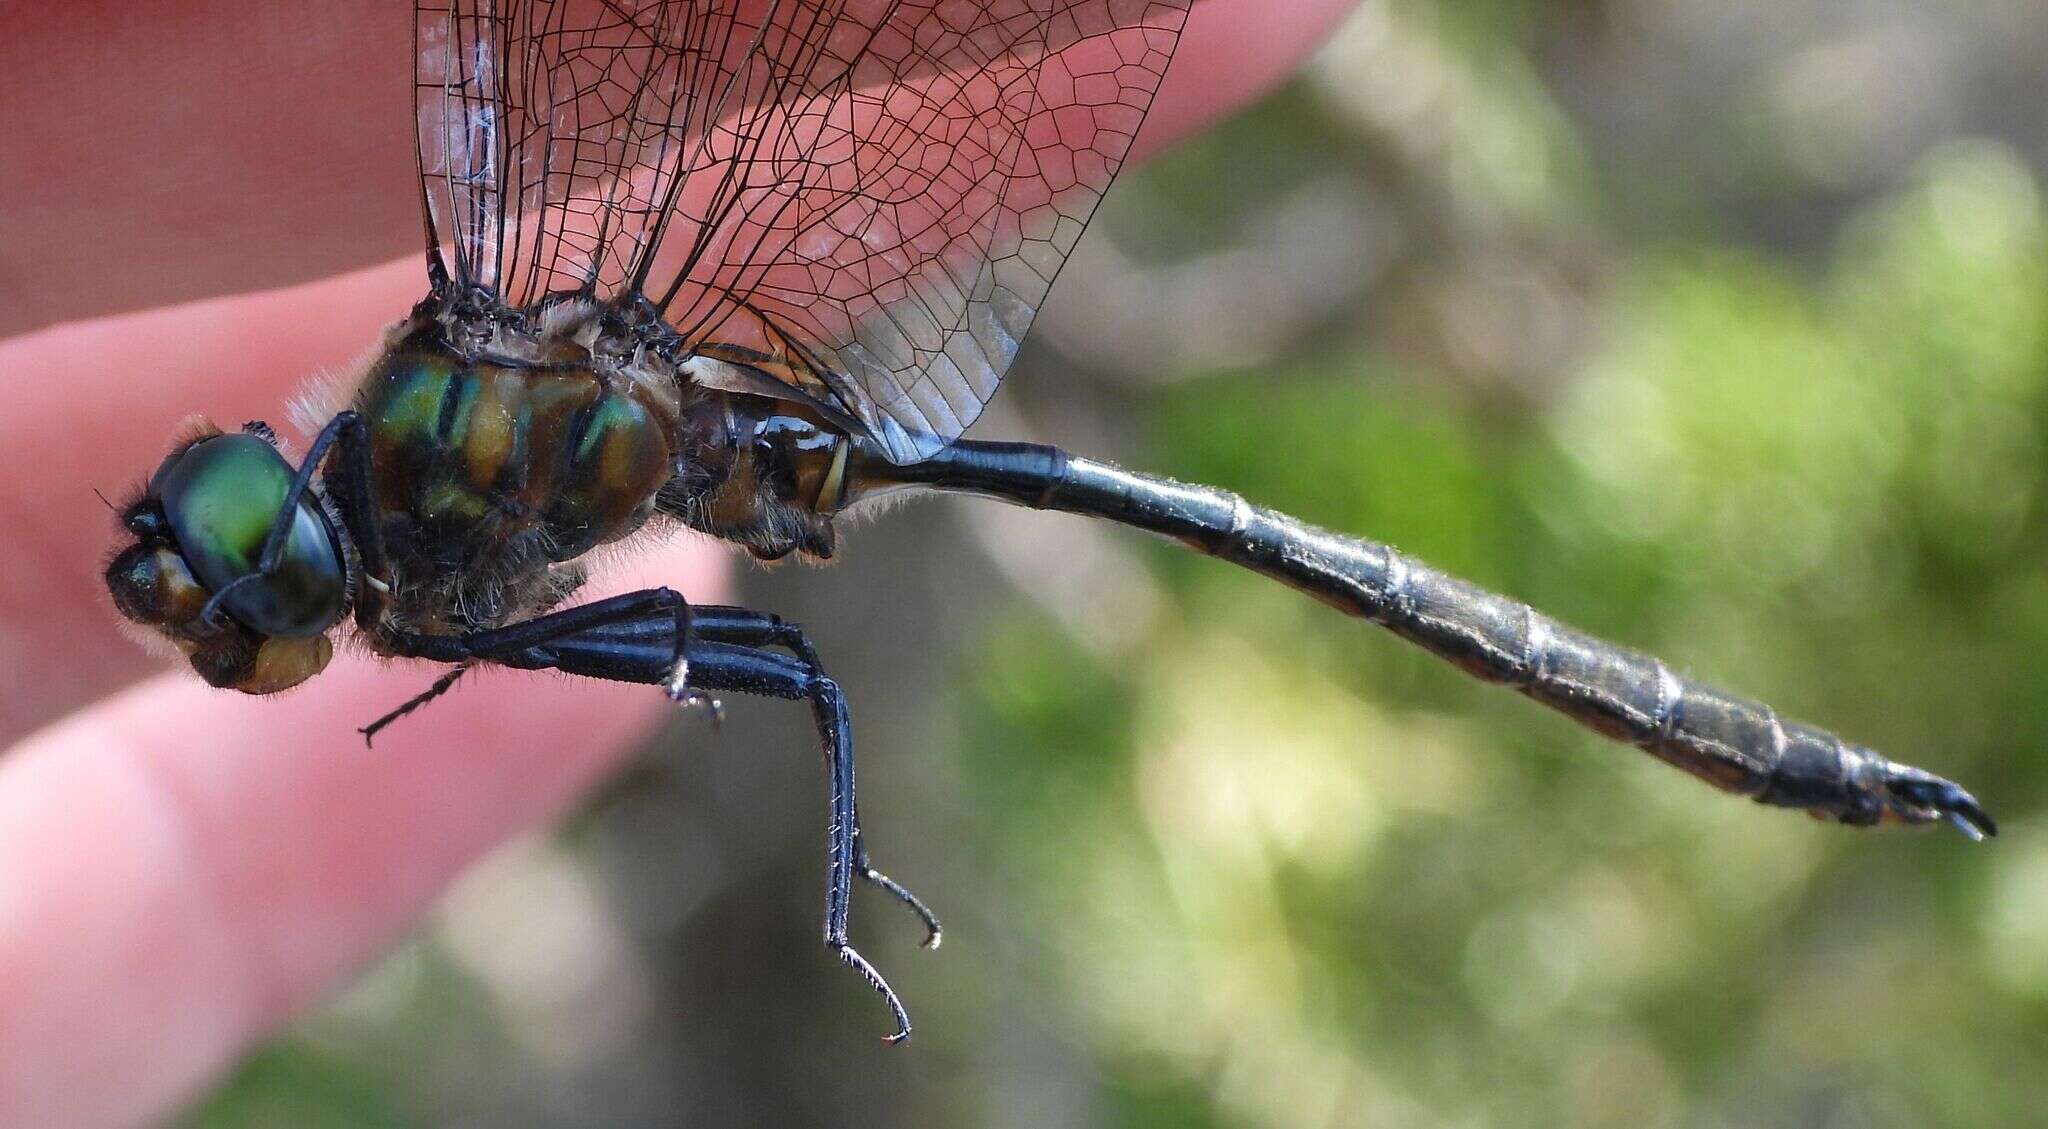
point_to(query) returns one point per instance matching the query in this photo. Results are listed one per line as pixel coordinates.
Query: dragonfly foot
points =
(933, 932)
(859, 964)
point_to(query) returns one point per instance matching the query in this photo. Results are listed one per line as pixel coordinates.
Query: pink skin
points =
(182, 869)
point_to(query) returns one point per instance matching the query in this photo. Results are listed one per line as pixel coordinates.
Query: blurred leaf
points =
(287, 1085)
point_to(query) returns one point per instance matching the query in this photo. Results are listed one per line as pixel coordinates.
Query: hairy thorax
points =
(503, 448)
(493, 465)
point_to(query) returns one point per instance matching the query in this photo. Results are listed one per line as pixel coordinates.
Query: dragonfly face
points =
(193, 574)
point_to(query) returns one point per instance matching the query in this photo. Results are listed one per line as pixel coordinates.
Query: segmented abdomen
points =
(1732, 743)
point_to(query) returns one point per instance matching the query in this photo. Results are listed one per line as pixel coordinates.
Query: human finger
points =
(162, 153)
(92, 407)
(181, 868)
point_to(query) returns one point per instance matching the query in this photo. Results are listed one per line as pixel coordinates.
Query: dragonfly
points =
(747, 267)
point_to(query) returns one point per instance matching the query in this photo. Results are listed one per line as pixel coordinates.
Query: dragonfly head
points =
(198, 534)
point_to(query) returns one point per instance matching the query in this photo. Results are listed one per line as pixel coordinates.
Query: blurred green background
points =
(1720, 329)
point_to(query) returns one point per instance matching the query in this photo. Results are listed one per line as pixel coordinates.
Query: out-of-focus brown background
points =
(1718, 328)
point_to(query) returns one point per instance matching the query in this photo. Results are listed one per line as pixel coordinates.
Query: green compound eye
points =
(220, 495)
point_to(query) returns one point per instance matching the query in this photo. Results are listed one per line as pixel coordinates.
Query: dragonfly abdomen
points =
(1730, 742)
(1735, 744)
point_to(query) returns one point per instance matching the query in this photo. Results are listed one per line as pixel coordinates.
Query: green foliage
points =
(291, 1086)
(1370, 893)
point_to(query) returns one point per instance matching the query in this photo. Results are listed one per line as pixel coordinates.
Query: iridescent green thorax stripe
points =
(468, 461)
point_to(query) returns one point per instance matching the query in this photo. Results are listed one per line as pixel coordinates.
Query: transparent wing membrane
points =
(549, 133)
(872, 198)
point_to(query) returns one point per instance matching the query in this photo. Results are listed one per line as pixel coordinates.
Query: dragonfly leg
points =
(744, 669)
(440, 686)
(655, 637)
(720, 624)
(619, 638)
(349, 488)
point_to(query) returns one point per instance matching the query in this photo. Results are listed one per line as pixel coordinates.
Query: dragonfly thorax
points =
(765, 473)
(503, 445)
(488, 470)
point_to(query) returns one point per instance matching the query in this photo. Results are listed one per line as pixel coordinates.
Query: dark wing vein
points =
(548, 131)
(872, 195)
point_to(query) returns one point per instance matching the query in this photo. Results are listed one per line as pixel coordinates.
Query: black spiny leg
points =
(655, 637)
(720, 624)
(441, 686)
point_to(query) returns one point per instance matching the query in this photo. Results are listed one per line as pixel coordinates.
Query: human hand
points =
(183, 868)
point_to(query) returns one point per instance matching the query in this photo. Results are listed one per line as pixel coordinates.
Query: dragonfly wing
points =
(887, 211)
(550, 132)
(868, 198)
